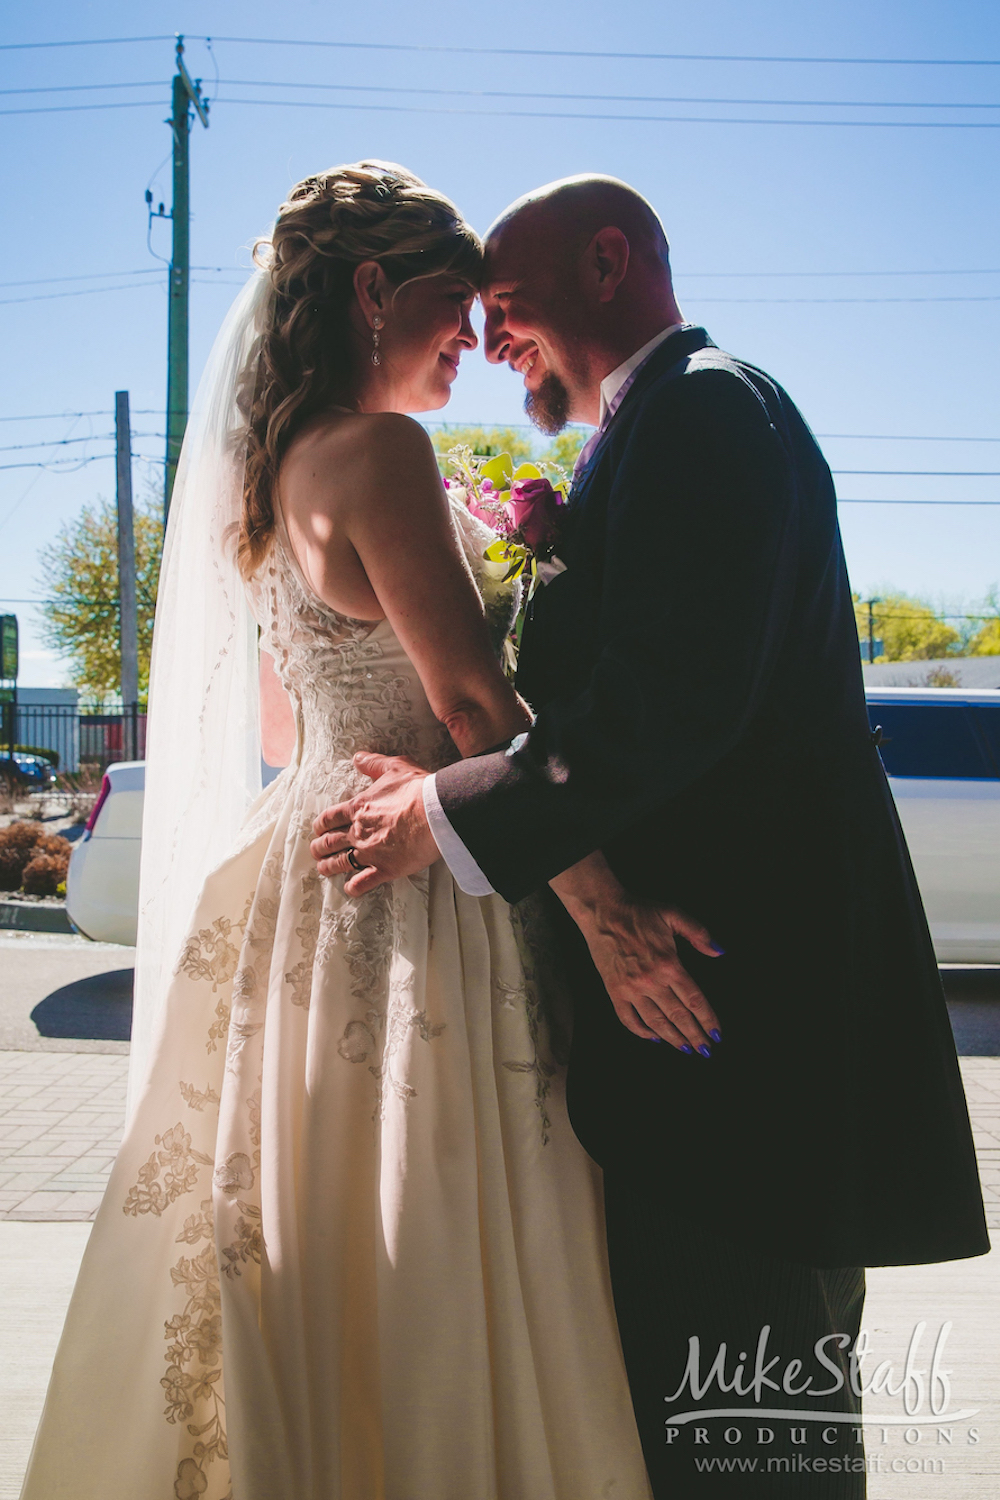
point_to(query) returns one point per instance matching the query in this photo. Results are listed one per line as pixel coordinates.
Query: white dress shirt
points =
(468, 876)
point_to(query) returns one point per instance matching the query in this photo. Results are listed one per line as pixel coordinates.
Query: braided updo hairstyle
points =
(302, 364)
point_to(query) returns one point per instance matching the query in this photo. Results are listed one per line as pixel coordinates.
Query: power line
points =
(56, 467)
(963, 62)
(81, 88)
(104, 437)
(107, 41)
(94, 276)
(66, 109)
(697, 275)
(354, 88)
(371, 88)
(828, 301)
(706, 301)
(855, 500)
(528, 114)
(900, 437)
(788, 275)
(929, 473)
(256, 41)
(91, 437)
(103, 275)
(81, 291)
(875, 437)
(65, 416)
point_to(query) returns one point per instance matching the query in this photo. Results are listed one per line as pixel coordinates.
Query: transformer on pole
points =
(186, 93)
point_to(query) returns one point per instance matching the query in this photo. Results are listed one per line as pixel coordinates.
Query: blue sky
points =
(858, 265)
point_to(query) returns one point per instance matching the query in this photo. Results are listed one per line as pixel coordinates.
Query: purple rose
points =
(534, 506)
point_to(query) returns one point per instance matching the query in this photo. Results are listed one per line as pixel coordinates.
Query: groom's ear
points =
(605, 262)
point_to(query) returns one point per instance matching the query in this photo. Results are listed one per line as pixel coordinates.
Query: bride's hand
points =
(634, 948)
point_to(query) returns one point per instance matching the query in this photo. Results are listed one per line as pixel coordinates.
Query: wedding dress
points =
(350, 1248)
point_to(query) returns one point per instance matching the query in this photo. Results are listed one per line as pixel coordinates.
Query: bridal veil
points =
(203, 757)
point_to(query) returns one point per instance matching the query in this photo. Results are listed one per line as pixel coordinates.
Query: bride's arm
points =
(387, 500)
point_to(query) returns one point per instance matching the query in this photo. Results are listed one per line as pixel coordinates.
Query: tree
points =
(986, 641)
(908, 628)
(80, 577)
(564, 449)
(487, 442)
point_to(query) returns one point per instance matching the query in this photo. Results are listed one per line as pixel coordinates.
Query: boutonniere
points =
(523, 506)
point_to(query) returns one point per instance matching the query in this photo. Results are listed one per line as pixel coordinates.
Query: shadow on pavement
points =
(98, 1008)
(973, 996)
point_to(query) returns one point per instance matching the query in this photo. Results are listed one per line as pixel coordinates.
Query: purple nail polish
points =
(715, 947)
(656, 1039)
(705, 1051)
(688, 1050)
(716, 1035)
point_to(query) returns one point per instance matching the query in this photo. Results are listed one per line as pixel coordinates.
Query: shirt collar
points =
(612, 384)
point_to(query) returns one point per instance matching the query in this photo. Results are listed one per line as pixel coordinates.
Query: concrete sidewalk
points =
(61, 1117)
(60, 1122)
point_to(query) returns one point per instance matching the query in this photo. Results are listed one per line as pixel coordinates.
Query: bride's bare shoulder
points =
(361, 439)
(342, 460)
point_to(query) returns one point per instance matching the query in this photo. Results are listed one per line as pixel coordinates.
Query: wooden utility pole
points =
(128, 623)
(186, 92)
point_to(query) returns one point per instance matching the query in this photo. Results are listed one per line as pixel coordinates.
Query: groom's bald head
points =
(577, 278)
(563, 217)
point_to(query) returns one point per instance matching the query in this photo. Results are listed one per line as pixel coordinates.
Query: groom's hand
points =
(384, 827)
(634, 948)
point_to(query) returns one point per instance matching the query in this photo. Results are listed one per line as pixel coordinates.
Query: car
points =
(102, 886)
(941, 751)
(940, 748)
(33, 773)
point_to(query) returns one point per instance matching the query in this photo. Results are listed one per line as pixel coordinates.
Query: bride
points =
(350, 1248)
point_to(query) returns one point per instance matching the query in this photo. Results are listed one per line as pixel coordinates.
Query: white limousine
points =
(941, 748)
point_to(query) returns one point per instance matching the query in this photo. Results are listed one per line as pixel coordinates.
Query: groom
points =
(701, 721)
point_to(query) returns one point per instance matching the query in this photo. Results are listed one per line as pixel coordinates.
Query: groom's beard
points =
(548, 407)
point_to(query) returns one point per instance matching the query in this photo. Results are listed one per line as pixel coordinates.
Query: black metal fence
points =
(73, 737)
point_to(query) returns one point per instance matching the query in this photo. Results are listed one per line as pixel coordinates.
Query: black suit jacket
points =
(701, 718)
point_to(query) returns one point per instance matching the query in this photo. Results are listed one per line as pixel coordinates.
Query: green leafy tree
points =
(908, 628)
(486, 442)
(80, 576)
(564, 449)
(520, 443)
(986, 641)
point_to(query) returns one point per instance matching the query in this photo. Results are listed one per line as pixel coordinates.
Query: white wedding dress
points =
(350, 1248)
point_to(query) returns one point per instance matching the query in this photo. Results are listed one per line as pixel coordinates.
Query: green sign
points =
(8, 648)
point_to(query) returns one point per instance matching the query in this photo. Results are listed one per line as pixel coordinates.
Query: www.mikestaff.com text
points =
(873, 1463)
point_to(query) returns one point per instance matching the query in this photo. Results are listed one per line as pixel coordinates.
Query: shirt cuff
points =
(468, 876)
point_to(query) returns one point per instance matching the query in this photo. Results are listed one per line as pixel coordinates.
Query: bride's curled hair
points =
(302, 363)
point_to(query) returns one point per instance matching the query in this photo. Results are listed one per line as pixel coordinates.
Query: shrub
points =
(44, 873)
(17, 845)
(20, 845)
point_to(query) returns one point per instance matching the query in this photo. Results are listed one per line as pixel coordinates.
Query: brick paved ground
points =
(981, 1076)
(61, 1116)
(60, 1122)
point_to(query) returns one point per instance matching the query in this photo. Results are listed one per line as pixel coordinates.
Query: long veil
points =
(203, 766)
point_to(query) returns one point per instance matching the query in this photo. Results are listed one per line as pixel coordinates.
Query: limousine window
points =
(988, 719)
(927, 739)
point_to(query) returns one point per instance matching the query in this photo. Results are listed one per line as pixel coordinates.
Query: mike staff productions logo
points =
(918, 1399)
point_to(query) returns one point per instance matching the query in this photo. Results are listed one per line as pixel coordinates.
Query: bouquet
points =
(523, 506)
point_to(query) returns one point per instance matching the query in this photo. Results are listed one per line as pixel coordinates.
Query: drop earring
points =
(376, 340)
